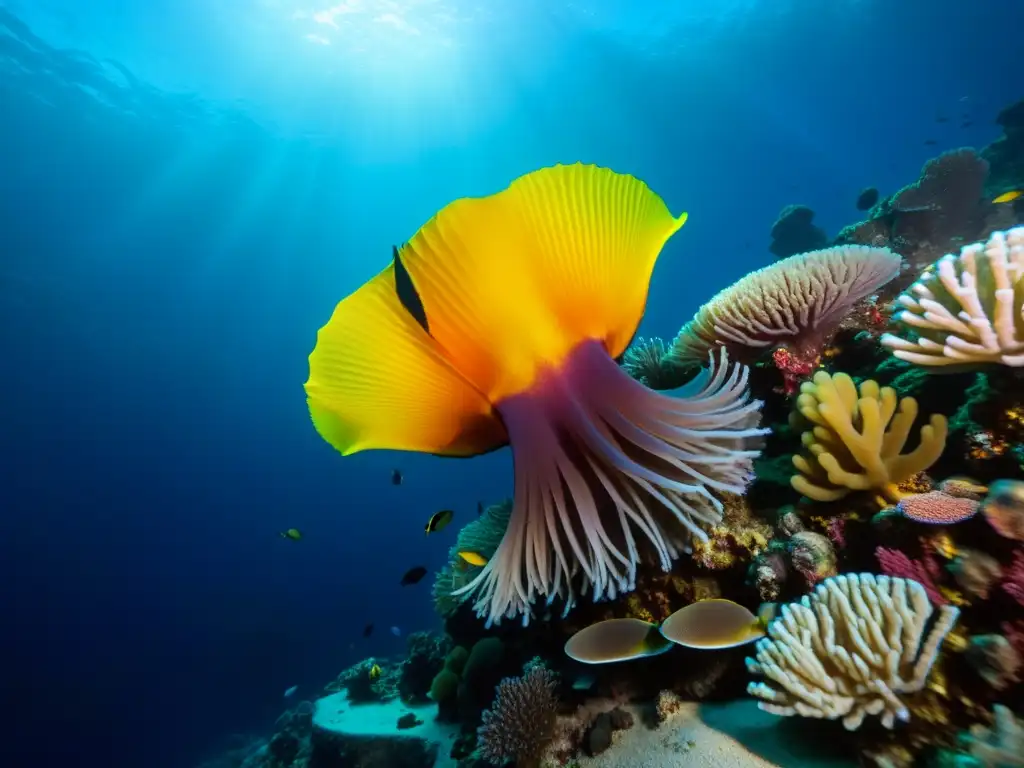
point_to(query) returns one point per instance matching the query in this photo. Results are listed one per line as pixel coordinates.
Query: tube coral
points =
(968, 308)
(500, 322)
(853, 439)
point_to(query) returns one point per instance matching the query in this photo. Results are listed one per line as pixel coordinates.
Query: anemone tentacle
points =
(609, 473)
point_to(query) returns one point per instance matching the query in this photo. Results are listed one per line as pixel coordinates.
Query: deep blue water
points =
(187, 189)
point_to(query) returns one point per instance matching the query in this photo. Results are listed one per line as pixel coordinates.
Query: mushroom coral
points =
(798, 301)
(967, 309)
(499, 322)
(853, 441)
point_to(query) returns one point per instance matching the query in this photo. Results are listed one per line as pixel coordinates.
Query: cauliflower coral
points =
(967, 309)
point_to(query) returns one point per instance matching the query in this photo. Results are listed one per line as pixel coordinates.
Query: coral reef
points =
(883, 530)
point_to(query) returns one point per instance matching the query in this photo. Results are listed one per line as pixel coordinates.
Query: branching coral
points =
(849, 650)
(853, 440)
(521, 722)
(968, 308)
(798, 301)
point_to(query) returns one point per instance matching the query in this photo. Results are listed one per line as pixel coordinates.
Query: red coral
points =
(1013, 581)
(794, 366)
(521, 722)
(924, 571)
(836, 531)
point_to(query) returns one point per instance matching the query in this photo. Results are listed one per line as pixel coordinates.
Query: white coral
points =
(848, 649)
(967, 308)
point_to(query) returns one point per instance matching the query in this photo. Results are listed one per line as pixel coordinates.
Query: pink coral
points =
(521, 722)
(1013, 582)
(938, 508)
(924, 571)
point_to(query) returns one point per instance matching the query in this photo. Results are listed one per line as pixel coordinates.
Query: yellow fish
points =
(473, 558)
(716, 623)
(374, 672)
(1008, 197)
(499, 323)
(439, 521)
(292, 533)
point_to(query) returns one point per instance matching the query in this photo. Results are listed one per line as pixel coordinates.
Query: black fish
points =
(368, 630)
(413, 576)
(439, 521)
(866, 199)
(966, 124)
(930, 142)
(479, 508)
(407, 293)
(396, 477)
(941, 119)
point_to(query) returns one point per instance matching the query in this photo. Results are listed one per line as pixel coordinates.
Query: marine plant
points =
(853, 438)
(968, 308)
(850, 650)
(500, 322)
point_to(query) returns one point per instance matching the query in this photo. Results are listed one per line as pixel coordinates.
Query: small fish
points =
(716, 623)
(966, 123)
(368, 630)
(479, 508)
(291, 691)
(616, 640)
(473, 558)
(413, 575)
(941, 119)
(1008, 197)
(374, 672)
(396, 477)
(930, 142)
(867, 199)
(439, 521)
(396, 632)
(292, 533)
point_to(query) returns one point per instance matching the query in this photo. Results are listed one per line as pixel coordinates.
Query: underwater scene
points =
(458, 384)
